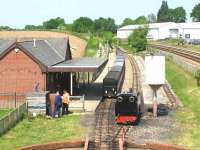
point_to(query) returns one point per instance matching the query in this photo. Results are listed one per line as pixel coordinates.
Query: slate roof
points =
(5, 44)
(84, 64)
(47, 51)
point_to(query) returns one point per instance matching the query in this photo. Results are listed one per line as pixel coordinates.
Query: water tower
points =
(155, 75)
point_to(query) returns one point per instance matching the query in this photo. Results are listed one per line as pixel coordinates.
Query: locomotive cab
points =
(128, 108)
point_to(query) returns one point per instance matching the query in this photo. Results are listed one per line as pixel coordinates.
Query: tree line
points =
(86, 24)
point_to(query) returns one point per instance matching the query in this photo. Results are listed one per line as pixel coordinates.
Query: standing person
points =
(58, 104)
(36, 86)
(65, 102)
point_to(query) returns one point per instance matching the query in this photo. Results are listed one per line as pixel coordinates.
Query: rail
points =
(195, 56)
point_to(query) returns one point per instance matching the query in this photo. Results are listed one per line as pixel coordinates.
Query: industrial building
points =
(159, 31)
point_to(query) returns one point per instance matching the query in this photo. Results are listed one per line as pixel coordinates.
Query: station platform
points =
(93, 91)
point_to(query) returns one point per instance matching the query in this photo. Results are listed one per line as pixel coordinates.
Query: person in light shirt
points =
(65, 102)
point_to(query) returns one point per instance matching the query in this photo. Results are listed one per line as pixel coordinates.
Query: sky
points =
(18, 13)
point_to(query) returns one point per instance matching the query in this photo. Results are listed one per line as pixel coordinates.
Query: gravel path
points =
(153, 129)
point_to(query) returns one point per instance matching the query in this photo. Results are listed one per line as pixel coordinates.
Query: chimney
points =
(34, 42)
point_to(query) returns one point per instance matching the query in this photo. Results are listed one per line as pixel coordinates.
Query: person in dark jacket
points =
(58, 104)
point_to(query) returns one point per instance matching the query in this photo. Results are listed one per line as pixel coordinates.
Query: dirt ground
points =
(77, 45)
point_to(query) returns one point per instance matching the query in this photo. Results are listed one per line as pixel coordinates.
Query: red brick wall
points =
(18, 72)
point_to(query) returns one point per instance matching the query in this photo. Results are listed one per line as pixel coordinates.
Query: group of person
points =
(62, 102)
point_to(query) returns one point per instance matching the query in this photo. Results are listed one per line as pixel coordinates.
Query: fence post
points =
(15, 95)
(83, 100)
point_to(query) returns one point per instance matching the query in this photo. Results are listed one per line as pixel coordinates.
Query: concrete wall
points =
(163, 32)
(18, 72)
(124, 34)
(194, 33)
(153, 34)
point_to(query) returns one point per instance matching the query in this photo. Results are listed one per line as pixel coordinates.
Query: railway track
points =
(107, 135)
(136, 86)
(195, 56)
(103, 135)
(174, 100)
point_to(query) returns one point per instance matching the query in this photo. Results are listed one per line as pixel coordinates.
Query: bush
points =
(197, 76)
(138, 38)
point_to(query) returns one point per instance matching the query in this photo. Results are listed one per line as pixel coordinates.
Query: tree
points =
(83, 24)
(138, 38)
(140, 20)
(5, 28)
(163, 13)
(196, 13)
(179, 15)
(33, 27)
(105, 24)
(53, 23)
(151, 18)
(127, 21)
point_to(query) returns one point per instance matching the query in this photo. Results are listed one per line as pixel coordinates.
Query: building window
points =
(187, 36)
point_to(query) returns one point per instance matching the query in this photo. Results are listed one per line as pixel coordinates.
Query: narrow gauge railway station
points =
(119, 90)
(48, 65)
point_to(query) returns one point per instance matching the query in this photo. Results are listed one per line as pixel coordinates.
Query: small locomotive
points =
(128, 108)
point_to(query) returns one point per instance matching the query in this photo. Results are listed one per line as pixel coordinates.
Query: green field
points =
(41, 130)
(184, 84)
(3, 112)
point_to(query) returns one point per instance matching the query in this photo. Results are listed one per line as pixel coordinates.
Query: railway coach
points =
(113, 80)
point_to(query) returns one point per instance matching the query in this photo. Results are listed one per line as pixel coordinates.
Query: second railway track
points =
(194, 56)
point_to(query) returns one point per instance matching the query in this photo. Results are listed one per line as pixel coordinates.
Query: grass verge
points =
(41, 130)
(92, 46)
(185, 86)
(4, 112)
(127, 47)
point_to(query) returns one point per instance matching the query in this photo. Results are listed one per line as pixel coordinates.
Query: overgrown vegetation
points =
(92, 46)
(41, 130)
(138, 39)
(197, 76)
(184, 85)
(4, 112)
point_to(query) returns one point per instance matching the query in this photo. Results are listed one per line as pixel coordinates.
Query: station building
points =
(46, 62)
(159, 31)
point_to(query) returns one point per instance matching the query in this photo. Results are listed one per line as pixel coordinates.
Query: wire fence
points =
(12, 118)
(11, 100)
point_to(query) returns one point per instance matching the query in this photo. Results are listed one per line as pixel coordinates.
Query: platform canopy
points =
(84, 64)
